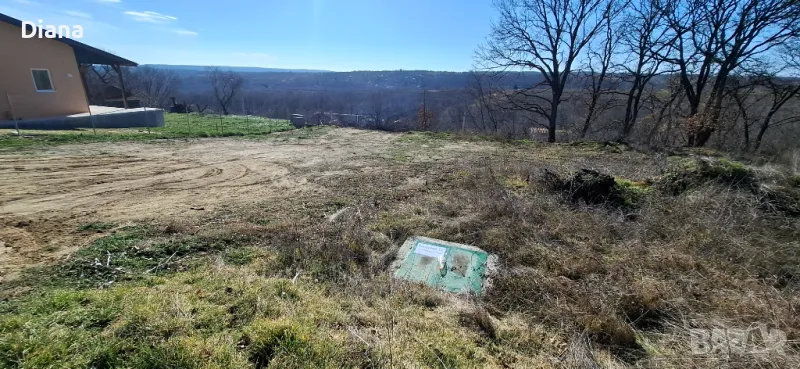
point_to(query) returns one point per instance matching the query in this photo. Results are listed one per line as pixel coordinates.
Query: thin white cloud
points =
(109, 1)
(26, 2)
(78, 14)
(151, 17)
(185, 32)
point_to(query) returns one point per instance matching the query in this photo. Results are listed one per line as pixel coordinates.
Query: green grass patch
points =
(632, 192)
(201, 125)
(135, 254)
(515, 183)
(236, 256)
(176, 126)
(228, 317)
(434, 137)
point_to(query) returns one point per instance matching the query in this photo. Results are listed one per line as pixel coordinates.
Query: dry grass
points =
(581, 285)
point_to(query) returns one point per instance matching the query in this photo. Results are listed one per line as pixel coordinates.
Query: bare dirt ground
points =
(46, 194)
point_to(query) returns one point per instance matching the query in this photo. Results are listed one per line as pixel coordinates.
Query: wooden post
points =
(91, 118)
(118, 69)
(82, 72)
(13, 115)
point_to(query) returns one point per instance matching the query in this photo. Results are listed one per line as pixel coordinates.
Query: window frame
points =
(49, 76)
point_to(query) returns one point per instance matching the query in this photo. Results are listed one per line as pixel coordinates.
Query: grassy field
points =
(175, 126)
(683, 241)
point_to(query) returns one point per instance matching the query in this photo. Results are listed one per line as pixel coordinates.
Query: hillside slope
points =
(219, 253)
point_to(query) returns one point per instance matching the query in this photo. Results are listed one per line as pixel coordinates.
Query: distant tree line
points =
(724, 73)
(730, 65)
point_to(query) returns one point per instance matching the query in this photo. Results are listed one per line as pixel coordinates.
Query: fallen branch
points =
(353, 332)
(162, 264)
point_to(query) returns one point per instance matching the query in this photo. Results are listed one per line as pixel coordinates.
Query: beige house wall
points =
(19, 56)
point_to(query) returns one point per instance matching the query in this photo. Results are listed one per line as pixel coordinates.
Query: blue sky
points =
(340, 35)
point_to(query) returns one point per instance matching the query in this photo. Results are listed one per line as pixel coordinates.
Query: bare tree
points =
(597, 76)
(154, 86)
(200, 109)
(485, 118)
(104, 73)
(780, 91)
(424, 119)
(643, 36)
(664, 109)
(741, 90)
(376, 108)
(225, 85)
(546, 36)
(712, 38)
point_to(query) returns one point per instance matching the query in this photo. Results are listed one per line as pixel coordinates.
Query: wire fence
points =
(217, 124)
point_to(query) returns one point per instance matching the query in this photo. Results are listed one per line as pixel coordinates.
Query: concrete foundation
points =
(100, 117)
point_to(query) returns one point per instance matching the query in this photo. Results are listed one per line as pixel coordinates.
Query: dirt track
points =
(46, 194)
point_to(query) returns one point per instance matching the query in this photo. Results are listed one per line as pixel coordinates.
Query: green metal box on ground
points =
(446, 265)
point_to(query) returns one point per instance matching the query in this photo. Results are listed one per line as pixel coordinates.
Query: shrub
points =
(693, 173)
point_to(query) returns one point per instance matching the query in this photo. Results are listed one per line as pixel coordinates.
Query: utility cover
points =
(450, 266)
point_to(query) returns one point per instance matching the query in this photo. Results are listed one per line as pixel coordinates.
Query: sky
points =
(338, 35)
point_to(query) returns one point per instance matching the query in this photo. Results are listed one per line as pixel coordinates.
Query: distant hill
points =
(194, 79)
(233, 69)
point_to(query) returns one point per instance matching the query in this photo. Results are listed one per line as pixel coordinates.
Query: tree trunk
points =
(763, 129)
(746, 136)
(630, 117)
(627, 123)
(657, 124)
(589, 116)
(551, 129)
(712, 111)
(702, 136)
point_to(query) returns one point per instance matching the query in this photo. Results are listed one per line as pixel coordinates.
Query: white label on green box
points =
(425, 249)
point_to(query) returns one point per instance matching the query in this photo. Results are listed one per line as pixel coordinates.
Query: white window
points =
(42, 80)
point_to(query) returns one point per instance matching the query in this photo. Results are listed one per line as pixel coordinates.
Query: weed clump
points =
(693, 173)
(592, 187)
(781, 199)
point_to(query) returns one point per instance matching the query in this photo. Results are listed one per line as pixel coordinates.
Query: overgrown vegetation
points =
(616, 278)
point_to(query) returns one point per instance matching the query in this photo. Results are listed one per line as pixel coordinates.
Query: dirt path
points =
(119, 182)
(47, 194)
